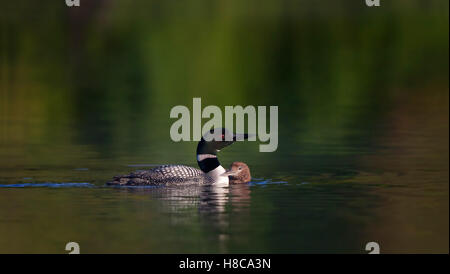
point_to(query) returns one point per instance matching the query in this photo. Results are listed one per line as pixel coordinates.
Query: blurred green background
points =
(362, 95)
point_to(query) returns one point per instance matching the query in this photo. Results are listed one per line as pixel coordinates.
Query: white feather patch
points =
(201, 157)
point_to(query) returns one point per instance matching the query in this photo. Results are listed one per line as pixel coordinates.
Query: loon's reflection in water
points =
(216, 207)
(208, 198)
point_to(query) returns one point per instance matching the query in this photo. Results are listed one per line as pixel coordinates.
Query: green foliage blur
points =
(107, 73)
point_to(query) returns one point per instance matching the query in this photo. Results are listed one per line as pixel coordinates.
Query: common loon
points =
(210, 172)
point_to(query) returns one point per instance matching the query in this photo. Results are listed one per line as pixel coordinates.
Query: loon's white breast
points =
(218, 176)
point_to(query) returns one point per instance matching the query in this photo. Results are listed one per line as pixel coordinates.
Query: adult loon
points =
(210, 172)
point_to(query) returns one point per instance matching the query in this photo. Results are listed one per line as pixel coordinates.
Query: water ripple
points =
(48, 184)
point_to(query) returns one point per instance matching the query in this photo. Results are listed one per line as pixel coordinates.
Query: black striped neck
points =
(208, 164)
(207, 156)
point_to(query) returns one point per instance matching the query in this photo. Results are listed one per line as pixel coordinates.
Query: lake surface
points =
(362, 93)
(389, 185)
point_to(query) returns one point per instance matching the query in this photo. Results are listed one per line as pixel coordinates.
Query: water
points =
(363, 155)
(325, 198)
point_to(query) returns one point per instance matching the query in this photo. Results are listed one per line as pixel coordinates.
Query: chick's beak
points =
(231, 173)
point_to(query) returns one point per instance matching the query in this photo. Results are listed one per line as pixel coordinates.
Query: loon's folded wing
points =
(162, 175)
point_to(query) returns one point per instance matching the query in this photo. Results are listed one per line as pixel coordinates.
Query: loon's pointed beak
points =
(241, 137)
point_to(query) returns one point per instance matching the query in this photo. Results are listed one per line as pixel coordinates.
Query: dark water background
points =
(363, 149)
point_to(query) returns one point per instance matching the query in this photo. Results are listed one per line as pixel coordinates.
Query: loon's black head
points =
(211, 143)
(216, 139)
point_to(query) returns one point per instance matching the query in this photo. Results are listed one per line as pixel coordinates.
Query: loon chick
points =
(239, 173)
(210, 172)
